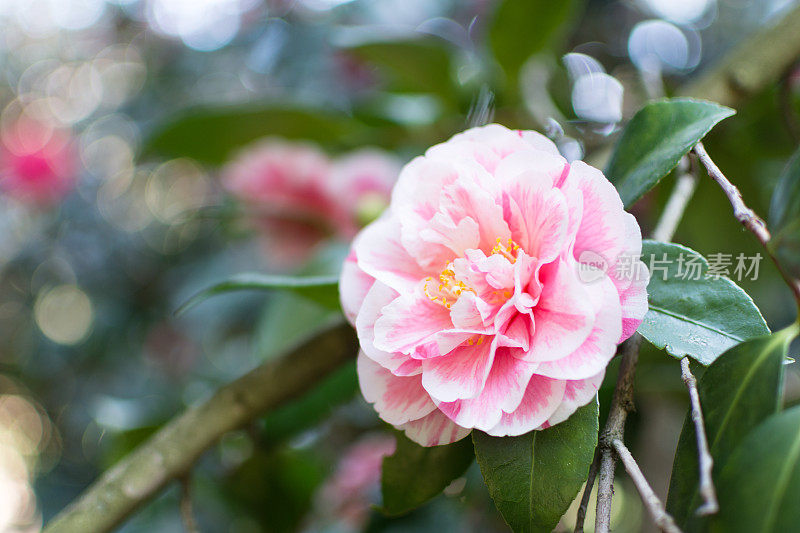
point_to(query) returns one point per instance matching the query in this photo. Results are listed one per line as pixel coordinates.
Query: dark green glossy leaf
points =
(785, 206)
(694, 316)
(313, 407)
(415, 474)
(785, 244)
(784, 217)
(654, 141)
(759, 486)
(212, 134)
(323, 290)
(418, 65)
(522, 28)
(274, 487)
(738, 391)
(533, 478)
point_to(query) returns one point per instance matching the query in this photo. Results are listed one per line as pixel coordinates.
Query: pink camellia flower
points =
(362, 181)
(491, 294)
(285, 186)
(37, 162)
(346, 496)
(299, 197)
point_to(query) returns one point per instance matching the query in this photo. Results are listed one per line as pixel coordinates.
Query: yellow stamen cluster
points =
(449, 286)
(472, 342)
(508, 250)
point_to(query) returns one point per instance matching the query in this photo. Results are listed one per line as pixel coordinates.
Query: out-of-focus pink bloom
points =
(349, 493)
(283, 179)
(362, 183)
(298, 197)
(490, 294)
(37, 162)
(285, 186)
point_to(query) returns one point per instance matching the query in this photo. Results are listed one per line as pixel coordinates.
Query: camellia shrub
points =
(479, 272)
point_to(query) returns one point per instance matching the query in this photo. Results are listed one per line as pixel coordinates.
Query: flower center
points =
(508, 250)
(449, 289)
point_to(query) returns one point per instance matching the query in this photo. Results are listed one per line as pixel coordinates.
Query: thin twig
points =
(654, 506)
(172, 451)
(704, 459)
(621, 405)
(748, 218)
(622, 401)
(587, 492)
(187, 515)
(678, 200)
(743, 214)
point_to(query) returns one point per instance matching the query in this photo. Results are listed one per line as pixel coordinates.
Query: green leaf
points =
(314, 407)
(739, 390)
(654, 141)
(534, 478)
(785, 245)
(421, 65)
(760, 484)
(323, 290)
(415, 474)
(785, 206)
(784, 217)
(695, 316)
(522, 28)
(211, 134)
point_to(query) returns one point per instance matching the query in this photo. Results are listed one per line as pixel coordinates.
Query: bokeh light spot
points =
(64, 314)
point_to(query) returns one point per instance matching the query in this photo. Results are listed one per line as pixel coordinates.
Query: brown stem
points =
(705, 461)
(621, 405)
(187, 515)
(622, 401)
(651, 502)
(748, 218)
(172, 451)
(587, 492)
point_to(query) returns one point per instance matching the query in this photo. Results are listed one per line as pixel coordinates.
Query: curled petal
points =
(537, 215)
(634, 301)
(564, 315)
(576, 394)
(353, 287)
(378, 297)
(397, 399)
(461, 373)
(381, 255)
(410, 320)
(504, 390)
(599, 347)
(434, 429)
(541, 399)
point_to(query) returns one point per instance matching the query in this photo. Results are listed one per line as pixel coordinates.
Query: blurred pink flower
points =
(285, 186)
(348, 494)
(38, 164)
(362, 183)
(298, 197)
(473, 297)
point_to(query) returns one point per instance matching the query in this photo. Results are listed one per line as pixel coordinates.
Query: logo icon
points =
(591, 266)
